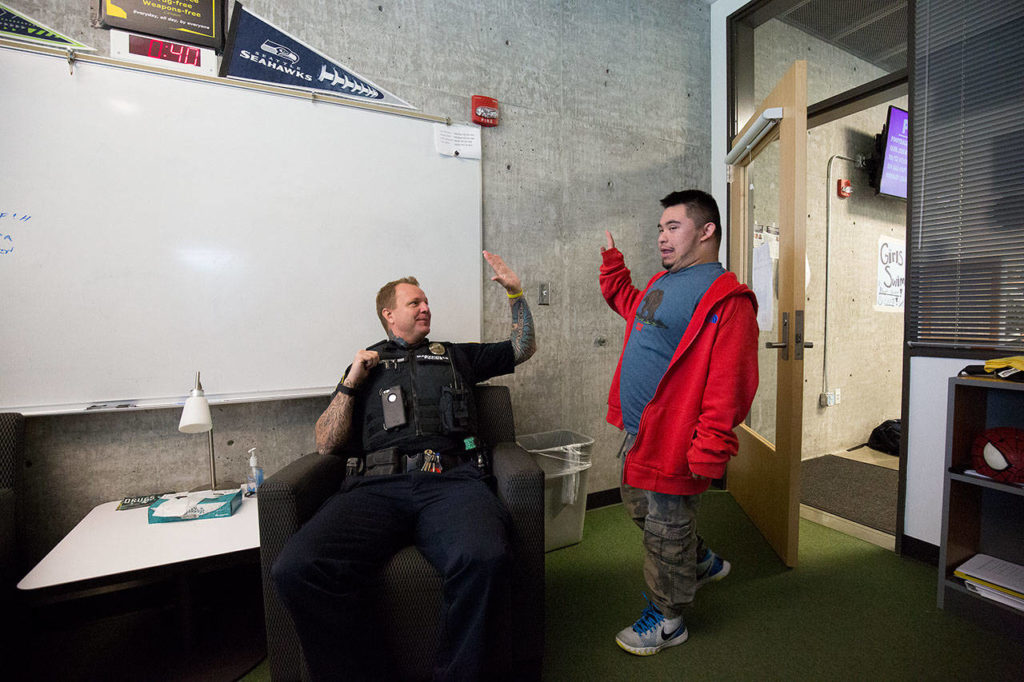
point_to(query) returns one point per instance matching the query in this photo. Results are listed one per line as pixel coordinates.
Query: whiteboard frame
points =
(128, 403)
(74, 57)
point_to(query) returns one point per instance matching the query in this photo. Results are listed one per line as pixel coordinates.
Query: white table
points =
(109, 554)
(108, 543)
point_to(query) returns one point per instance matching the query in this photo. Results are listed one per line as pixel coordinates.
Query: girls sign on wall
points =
(892, 274)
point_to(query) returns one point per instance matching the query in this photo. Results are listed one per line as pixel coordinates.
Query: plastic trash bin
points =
(564, 456)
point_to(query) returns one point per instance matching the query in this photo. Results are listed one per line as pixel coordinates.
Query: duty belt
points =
(439, 462)
(393, 461)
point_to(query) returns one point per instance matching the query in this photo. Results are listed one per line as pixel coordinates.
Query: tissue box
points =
(207, 504)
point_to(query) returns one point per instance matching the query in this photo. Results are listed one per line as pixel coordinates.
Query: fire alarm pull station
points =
(844, 189)
(485, 110)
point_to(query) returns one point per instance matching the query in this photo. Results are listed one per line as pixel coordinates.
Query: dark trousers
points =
(326, 573)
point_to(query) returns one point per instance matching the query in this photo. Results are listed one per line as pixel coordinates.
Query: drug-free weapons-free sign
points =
(192, 21)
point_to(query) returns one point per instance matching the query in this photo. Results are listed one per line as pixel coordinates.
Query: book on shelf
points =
(994, 595)
(995, 574)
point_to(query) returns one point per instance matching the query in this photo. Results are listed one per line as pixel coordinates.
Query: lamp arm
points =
(213, 466)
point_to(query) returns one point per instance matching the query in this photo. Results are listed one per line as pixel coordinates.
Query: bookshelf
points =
(979, 515)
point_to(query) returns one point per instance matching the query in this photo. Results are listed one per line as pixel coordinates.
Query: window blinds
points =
(966, 285)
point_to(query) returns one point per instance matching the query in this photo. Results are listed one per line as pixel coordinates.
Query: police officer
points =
(406, 403)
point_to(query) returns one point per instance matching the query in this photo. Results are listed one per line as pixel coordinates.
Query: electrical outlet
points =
(838, 395)
(823, 400)
(545, 294)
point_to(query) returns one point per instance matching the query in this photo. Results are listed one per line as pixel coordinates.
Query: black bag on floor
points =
(886, 437)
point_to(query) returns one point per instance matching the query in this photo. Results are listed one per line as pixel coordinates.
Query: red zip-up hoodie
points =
(687, 427)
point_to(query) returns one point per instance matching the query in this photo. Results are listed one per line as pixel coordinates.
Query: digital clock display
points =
(164, 49)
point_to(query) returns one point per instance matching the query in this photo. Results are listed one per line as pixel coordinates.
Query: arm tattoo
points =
(335, 424)
(524, 341)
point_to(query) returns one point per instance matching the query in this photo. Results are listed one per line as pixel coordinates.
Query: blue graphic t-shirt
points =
(658, 327)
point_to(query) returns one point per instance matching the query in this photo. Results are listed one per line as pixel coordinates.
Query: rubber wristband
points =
(512, 296)
(342, 388)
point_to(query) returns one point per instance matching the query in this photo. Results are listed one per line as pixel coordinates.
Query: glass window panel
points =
(763, 221)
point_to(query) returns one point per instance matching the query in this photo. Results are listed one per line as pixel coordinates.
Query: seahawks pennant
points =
(258, 51)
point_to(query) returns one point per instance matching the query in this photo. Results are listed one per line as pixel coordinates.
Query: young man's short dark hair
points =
(701, 207)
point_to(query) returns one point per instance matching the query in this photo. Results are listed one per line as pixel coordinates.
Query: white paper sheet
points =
(762, 277)
(892, 274)
(192, 505)
(455, 140)
(993, 572)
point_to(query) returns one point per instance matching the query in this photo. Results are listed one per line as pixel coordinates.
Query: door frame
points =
(765, 478)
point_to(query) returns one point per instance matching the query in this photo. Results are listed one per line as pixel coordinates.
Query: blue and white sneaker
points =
(711, 568)
(647, 635)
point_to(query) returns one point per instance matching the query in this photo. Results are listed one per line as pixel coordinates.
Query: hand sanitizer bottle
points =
(254, 476)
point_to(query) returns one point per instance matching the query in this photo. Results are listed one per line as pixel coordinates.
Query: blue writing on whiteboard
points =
(6, 244)
(14, 216)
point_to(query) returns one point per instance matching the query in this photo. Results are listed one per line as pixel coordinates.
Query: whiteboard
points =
(178, 225)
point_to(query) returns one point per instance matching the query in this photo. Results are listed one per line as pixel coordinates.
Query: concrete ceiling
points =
(874, 30)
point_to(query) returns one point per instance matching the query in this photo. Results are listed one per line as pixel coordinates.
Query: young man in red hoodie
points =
(685, 380)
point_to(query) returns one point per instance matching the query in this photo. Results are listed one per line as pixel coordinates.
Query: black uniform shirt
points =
(474, 362)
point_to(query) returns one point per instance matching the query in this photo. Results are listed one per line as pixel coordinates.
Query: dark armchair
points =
(12, 455)
(12, 446)
(410, 589)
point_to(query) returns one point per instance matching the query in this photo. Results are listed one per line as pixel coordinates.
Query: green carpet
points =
(849, 611)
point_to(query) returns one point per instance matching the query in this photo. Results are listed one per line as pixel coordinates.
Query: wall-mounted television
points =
(891, 168)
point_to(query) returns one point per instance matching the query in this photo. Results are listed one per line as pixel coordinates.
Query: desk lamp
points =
(195, 418)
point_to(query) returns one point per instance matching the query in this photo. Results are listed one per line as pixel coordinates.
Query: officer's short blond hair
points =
(386, 298)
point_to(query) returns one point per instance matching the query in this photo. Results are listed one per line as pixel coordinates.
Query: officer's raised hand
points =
(503, 274)
(523, 338)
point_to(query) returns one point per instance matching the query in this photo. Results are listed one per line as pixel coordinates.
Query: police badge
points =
(437, 348)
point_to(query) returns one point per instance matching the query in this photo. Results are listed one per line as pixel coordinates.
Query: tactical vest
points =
(423, 386)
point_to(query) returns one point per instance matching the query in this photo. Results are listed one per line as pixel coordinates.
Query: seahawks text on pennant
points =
(258, 51)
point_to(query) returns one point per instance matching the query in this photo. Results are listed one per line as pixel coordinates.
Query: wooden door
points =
(770, 181)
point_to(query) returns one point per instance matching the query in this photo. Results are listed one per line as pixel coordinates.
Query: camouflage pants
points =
(671, 542)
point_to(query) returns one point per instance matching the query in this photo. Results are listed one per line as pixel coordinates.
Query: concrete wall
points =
(864, 345)
(605, 108)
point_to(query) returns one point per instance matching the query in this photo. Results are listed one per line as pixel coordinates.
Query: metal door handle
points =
(783, 344)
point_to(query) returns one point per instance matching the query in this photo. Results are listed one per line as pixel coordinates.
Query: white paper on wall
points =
(763, 280)
(892, 274)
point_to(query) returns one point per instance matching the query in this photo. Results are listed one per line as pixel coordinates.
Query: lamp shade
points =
(195, 417)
